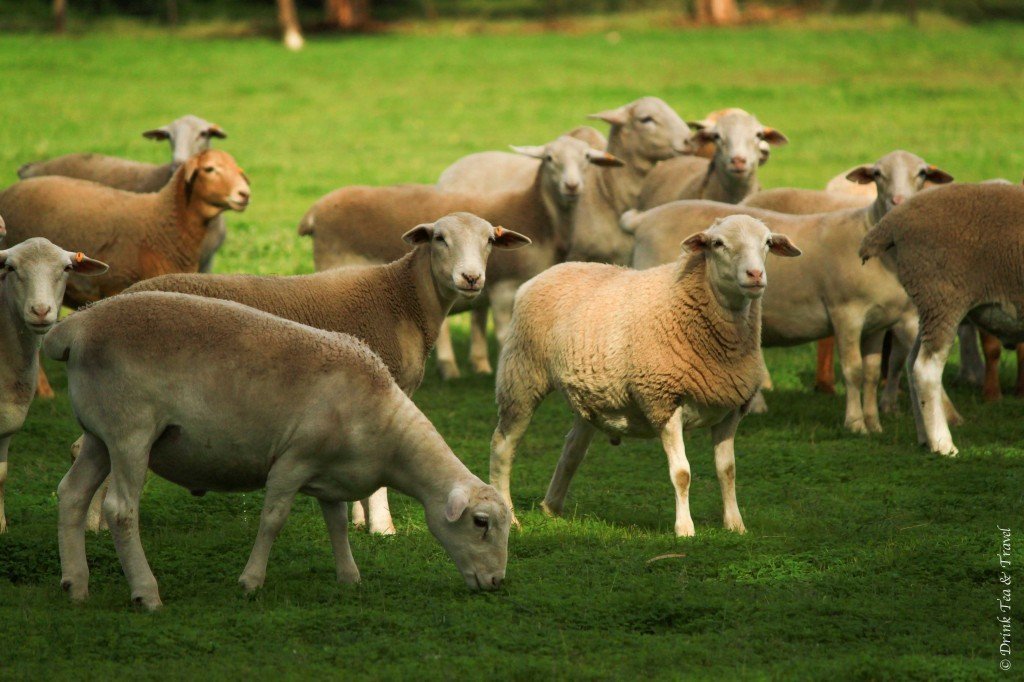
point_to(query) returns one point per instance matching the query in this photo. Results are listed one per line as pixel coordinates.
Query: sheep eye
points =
(439, 238)
(480, 520)
(209, 169)
(876, 173)
(718, 243)
(923, 172)
(549, 158)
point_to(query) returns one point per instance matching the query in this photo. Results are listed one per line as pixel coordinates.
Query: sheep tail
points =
(306, 224)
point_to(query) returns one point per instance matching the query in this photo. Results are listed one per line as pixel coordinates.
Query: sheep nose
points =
(572, 186)
(738, 161)
(471, 280)
(755, 275)
(897, 200)
(41, 311)
(243, 194)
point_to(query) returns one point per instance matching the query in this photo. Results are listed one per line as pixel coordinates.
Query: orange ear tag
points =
(79, 257)
(498, 231)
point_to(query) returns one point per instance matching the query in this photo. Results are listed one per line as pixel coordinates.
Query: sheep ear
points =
(216, 131)
(600, 158)
(696, 242)
(697, 125)
(83, 265)
(781, 246)
(157, 134)
(862, 175)
(421, 234)
(937, 176)
(615, 117)
(508, 239)
(704, 135)
(536, 152)
(458, 500)
(773, 136)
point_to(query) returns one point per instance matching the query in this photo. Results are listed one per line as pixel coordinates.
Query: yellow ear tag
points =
(79, 257)
(498, 231)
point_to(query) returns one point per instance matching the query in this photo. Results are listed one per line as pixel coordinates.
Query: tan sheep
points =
(641, 354)
(959, 252)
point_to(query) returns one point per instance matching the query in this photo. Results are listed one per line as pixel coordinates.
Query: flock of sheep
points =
(631, 276)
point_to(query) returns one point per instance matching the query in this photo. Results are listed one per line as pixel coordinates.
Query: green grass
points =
(866, 556)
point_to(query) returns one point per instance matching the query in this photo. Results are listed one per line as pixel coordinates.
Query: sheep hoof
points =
(482, 367)
(856, 426)
(250, 584)
(946, 450)
(349, 575)
(3, 524)
(828, 389)
(388, 529)
(735, 524)
(77, 591)
(448, 371)
(551, 510)
(149, 602)
(954, 418)
(515, 522)
(873, 425)
(888, 406)
(685, 529)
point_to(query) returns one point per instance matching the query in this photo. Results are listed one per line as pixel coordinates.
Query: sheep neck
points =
(432, 302)
(180, 244)
(19, 347)
(727, 187)
(558, 211)
(732, 324)
(620, 187)
(876, 211)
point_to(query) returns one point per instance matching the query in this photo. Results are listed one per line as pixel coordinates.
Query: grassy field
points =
(867, 558)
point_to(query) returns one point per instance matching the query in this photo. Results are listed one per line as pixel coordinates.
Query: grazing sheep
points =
(396, 309)
(828, 292)
(958, 252)
(188, 135)
(272, 407)
(644, 354)
(32, 278)
(355, 225)
(499, 171)
(729, 177)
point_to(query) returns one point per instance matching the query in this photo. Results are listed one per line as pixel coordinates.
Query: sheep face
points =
(460, 245)
(473, 528)
(213, 178)
(34, 274)
(898, 176)
(741, 142)
(735, 249)
(651, 128)
(564, 163)
(188, 136)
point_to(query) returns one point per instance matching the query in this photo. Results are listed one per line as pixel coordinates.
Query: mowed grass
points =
(867, 557)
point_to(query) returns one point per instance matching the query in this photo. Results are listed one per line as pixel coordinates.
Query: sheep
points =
(829, 292)
(957, 251)
(642, 354)
(352, 225)
(396, 309)
(498, 171)
(32, 279)
(707, 149)
(728, 177)
(188, 135)
(272, 408)
(842, 185)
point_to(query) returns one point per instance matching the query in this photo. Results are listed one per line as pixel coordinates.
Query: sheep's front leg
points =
(679, 471)
(378, 512)
(848, 326)
(76, 490)
(282, 485)
(723, 436)
(5, 443)
(575, 449)
(447, 367)
(871, 348)
(479, 352)
(336, 517)
(928, 383)
(129, 461)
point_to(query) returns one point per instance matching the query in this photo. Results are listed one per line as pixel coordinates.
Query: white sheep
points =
(188, 136)
(958, 251)
(828, 292)
(645, 354)
(32, 279)
(276, 405)
(729, 176)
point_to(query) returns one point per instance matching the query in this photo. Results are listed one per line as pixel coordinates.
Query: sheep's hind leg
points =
(282, 485)
(5, 443)
(723, 436)
(447, 366)
(479, 352)
(74, 494)
(679, 471)
(928, 383)
(871, 349)
(378, 513)
(336, 517)
(848, 327)
(576, 443)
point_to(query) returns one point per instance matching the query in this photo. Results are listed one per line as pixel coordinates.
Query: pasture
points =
(866, 557)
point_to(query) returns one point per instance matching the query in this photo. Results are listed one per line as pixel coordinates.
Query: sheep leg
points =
(5, 443)
(43, 388)
(336, 517)
(915, 399)
(479, 353)
(972, 367)
(871, 349)
(360, 511)
(825, 371)
(904, 334)
(378, 512)
(679, 472)
(848, 328)
(94, 522)
(575, 449)
(282, 485)
(129, 461)
(447, 367)
(74, 494)
(501, 297)
(513, 421)
(993, 350)
(928, 379)
(723, 435)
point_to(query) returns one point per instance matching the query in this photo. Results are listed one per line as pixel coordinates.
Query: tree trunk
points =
(60, 15)
(912, 12)
(348, 15)
(172, 12)
(289, 21)
(717, 12)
